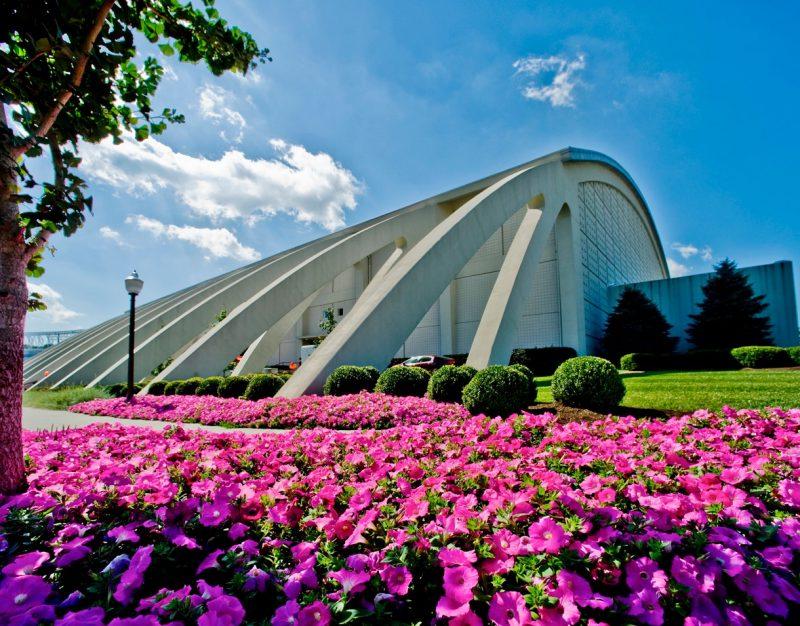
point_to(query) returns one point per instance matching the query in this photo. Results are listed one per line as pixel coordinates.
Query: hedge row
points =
(745, 356)
(247, 386)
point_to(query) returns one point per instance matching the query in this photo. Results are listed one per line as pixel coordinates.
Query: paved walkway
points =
(44, 419)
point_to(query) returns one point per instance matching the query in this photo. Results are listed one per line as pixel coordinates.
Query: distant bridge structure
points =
(36, 341)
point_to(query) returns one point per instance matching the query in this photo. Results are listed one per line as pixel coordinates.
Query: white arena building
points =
(528, 257)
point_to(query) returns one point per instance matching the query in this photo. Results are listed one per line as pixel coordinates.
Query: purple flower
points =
(87, 617)
(351, 582)
(20, 595)
(222, 611)
(216, 512)
(729, 559)
(643, 573)
(209, 561)
(25, 564)
(133, 577)
(698, 576)
(397, 579)
(117, 565)
(140, 620)
(286, 615)
(644, 605)
(315, 614)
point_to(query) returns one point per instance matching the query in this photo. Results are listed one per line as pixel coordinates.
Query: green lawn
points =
(687, 391)
(60, 398)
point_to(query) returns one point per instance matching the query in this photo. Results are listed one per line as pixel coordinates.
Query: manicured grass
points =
(60, 399)
(688, 391)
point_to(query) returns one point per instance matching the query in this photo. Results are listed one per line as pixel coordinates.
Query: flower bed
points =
(364, 410)
(689, 520)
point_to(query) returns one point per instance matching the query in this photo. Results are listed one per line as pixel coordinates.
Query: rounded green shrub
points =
(209, 386)
(171, 388)
(588, 382)
(524, 369)
(498, 390)
(403, 381)
(232, 386)
(189, 386)
(262, 386)
(157, 388)
(794, 354)
(120, 390)
(646, 361)
(448, 382)
(284, 375)
(347, 379)
(762, 356)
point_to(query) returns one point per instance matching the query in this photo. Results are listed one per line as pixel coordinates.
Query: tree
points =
(636, 325)
(729, 313)
(326, 324)
(69, 72)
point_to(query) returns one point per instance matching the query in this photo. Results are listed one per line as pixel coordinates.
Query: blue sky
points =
(369, 106)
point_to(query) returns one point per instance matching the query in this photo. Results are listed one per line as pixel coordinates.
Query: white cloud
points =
(106, 232)
(677, 269)
(219, 243)
(313, 188)
(552, 79)
(56, 312)
(214, 104)
(688, 250)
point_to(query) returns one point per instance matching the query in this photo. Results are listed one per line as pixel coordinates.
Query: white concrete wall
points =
(679, 297)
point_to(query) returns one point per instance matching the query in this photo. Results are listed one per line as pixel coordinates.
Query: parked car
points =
(428, 361)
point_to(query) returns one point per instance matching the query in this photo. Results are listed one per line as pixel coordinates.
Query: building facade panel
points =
(615, 248)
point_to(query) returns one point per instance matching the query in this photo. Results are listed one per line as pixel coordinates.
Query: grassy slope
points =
(60, 398)
(687, 391)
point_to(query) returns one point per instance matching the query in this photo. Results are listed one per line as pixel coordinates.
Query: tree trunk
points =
(13, 307)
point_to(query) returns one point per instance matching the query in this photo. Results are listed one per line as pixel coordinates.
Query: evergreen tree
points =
(729, 313)
(636, 325)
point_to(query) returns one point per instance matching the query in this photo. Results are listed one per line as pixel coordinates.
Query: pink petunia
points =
(508, 608)
(547, 535)
(397, 579)
(644, 573)
(315, 614)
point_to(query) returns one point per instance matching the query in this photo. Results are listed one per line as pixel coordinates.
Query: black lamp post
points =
(133, 285)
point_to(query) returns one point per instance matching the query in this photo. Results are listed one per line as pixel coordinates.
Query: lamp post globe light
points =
(133, 285)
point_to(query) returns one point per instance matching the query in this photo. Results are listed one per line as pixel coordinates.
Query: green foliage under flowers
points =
(448, 382)
(60, 399)
(171, 388)
(209, 386)
(347, 379)
(794, 354)
(588, 382)
(156, 388)
(262, 386)
(189, 386)
(762, 356)
(498, 390)
(543, 361)
(232, 386)
(403, 381)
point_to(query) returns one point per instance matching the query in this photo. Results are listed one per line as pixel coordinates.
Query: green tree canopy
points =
(75, 71)
(729, 314)
(636, 325)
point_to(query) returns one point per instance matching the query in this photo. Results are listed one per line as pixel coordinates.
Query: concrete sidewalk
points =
(44, 419)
